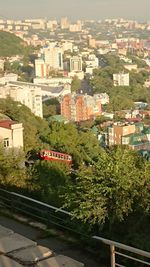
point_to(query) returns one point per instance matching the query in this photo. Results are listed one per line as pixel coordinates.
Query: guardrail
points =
(115, 246)
(61, 218)
(38, 210)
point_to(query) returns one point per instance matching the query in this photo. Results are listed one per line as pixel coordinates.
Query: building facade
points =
(41, 68)
(53, 57)
(28, 94)
(135, 136)
(11, 134)
(117, 131)
(75, 107)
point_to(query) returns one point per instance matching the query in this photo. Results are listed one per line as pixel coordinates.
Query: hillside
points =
(10, 45)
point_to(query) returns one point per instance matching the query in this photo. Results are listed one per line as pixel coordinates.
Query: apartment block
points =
(75, 107)
(53, 56)
(26, 93)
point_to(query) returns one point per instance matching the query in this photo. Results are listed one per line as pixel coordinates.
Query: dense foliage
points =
(121, 97)
(10, 45)
(108, 189)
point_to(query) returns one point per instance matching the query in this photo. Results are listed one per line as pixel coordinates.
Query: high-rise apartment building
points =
(53, 56)
(75, 107)
(64, 23)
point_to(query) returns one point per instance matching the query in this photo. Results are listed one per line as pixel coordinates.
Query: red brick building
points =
(75, 107)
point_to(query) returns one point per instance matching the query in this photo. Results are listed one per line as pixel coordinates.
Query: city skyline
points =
(95, 9)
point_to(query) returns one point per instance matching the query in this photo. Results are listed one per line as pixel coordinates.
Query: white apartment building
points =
(121, 79)
(27, 93)
(11, 134)
(53, 56)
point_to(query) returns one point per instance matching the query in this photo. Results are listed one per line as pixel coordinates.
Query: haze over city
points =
(84, 9)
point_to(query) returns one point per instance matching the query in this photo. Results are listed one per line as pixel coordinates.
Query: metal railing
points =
(61, 218)
(115, 246)
(37, 210)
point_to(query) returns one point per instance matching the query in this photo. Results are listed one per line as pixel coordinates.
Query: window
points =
(6, 142)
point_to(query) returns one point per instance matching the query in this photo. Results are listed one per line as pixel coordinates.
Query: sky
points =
(75, 9)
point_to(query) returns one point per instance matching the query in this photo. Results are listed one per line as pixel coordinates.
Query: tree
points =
(51, 107)
(76, 84)
(12, 169)
(111, 188)
(83, 146)
(49, 179)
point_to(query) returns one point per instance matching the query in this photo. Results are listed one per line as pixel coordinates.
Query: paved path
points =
(58, 246)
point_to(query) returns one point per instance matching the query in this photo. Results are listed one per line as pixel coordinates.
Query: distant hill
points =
(10, 45)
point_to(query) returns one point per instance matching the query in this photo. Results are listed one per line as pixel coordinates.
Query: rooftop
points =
(7, 124)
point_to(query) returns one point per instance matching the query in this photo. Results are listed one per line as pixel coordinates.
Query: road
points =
(58, 246)
(86, 87)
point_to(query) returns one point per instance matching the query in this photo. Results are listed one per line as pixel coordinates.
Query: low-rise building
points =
(121, 79)
(130, 67)
(134, 135)
(117, 131)
(11, 134)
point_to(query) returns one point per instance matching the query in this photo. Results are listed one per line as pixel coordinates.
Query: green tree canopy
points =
(76, 84)
(111, 189)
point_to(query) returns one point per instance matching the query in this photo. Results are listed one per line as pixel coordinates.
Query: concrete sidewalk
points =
(54, 244)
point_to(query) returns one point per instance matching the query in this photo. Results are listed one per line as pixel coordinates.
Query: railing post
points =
(112, 252)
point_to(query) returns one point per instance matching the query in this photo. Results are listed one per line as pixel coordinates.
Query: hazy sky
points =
(74, 9)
